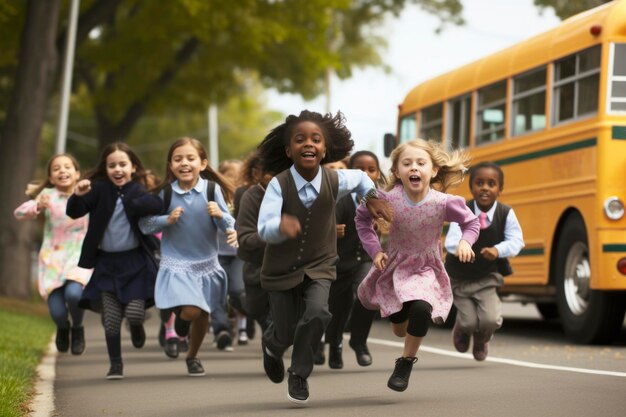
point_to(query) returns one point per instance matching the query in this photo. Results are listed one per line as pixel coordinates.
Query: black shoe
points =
(116, 371)
(251, 328)
(363, 356)
(399, 379)
(223, 340)
(181, 327)
(335, 361)
(183, 345)
(162, 335)
(194, 367)
(63, 338)
(318, 357)
(298, 390)
(137, 335)
(273, 366)
(171, 347)
(78, 340)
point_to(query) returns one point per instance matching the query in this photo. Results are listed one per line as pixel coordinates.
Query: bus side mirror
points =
(389, 142)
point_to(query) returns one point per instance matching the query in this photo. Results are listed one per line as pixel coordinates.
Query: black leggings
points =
(418, 313)
(113, 311)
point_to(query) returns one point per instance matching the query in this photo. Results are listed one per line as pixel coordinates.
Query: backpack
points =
(209, 193)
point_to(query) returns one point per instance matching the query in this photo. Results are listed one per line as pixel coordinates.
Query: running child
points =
(61, 280)
(122, 284)
(475, 286)
(297, 220)
(190, 279)
(408, 282)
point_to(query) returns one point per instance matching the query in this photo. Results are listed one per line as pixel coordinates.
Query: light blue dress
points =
(189, 272)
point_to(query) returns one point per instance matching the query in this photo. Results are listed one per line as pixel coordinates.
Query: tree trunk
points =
(20, 140)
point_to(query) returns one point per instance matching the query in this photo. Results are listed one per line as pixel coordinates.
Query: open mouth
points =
(308, 155)
(415, 180)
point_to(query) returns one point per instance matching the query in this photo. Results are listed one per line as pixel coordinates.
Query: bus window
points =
(576, 80)
(432, 122)
(459, 118)
(408, 128)
(529, 102)
(617, 79)
(490, 113)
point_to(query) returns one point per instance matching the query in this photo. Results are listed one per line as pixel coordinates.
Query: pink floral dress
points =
(414, 270)
(62, 242)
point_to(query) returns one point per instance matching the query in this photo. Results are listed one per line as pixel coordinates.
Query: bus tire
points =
(587, 316)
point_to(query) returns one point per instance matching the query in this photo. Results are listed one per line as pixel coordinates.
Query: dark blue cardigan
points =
(99, 202)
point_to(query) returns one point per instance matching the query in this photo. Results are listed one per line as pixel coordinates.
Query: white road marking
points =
(513, 362)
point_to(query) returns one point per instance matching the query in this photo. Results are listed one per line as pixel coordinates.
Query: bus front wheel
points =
(587, 316)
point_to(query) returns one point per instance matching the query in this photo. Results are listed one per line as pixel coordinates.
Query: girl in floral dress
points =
(408, 282)
(61, 281)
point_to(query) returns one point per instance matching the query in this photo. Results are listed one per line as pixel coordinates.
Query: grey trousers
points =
(300, 316)
(479, 309)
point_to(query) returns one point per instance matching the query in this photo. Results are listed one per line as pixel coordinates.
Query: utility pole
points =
(68, 69)
(214, 159)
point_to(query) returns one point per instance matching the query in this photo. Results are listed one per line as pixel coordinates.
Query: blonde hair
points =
(450, 166)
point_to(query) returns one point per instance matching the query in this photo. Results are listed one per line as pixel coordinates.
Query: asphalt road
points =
(532, 371)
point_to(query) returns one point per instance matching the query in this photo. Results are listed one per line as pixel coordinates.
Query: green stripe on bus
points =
(586, 143)
(614, 247)
(618, 132)
(531, 252)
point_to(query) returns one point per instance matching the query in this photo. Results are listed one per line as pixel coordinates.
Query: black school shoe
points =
(171, 347)
(298, 389)
(194, 367)
(137, 335)
(335, 360)
(318, 357)
(273, 366)
(78, 340)
(116, 371)
(399, 379)
(363, 356)
(63, 338)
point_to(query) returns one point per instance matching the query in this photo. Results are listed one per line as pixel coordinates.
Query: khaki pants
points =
(479, 309)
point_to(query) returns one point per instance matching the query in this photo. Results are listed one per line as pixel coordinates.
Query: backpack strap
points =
(167, 198)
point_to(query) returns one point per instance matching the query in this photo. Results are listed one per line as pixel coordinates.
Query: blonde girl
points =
(61, 280)
(191, 281)
(408, 282)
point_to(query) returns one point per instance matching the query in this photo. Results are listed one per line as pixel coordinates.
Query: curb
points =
(42, 404)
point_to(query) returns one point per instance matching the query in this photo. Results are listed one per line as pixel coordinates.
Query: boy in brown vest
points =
(297, 220)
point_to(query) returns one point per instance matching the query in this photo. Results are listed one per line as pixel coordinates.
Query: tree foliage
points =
(566, 8)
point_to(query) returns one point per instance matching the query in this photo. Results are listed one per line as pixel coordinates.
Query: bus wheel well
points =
(566, 216)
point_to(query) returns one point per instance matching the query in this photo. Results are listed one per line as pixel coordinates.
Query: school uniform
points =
(475, 285)
(298, 272)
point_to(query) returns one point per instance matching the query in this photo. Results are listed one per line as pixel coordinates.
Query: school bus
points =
(551, 111)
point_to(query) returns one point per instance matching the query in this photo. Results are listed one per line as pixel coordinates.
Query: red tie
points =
(482, 218)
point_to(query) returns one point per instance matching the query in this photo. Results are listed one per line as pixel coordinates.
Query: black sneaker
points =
(137, 335)
(194, 367)
(363, 356)
(298, 390)
(318, 357)
(224, 340)
(399, 379)
(335, 360)
(116, 371)
(63, 338)
(273, 366)
(181, 326)
(171, 347)
(183, 345)
(78, 340)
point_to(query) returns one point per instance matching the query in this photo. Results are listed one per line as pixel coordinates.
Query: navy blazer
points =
(99, 202)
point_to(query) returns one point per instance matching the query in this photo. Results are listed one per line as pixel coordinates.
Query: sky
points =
(415, 54)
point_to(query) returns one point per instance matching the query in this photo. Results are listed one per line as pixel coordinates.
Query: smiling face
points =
(485, 187)
(120, 169)
(63, 174)
(415, 170)
(368, 165)
(186, 165)
(307, 147)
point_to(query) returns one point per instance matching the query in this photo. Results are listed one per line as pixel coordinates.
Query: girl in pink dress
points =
(408, 282)
(61, 280)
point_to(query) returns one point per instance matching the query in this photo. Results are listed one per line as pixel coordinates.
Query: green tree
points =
(566, 8)
(140, 57)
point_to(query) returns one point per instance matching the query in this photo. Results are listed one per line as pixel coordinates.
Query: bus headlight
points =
(614, 208)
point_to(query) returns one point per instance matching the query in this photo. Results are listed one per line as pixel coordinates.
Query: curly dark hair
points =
(337, 137)
(486, 164)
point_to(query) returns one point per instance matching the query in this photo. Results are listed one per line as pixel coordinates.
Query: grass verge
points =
(26, 331)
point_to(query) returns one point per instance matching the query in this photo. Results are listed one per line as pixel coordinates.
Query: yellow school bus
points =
(551, 111)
